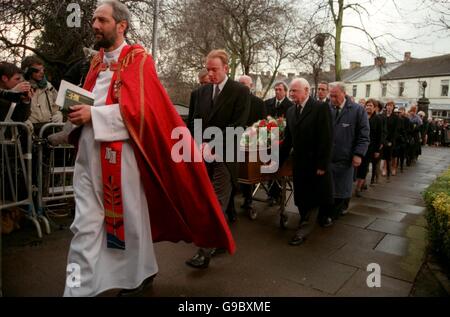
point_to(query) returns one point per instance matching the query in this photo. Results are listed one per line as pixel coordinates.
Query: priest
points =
(129, 192)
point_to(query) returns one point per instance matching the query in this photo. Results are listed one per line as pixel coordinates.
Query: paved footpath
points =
(386, 227)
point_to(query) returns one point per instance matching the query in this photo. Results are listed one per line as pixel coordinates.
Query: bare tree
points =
(249, 26)
(334, 11)
(282, 42)
(441, 13)
(41, 28)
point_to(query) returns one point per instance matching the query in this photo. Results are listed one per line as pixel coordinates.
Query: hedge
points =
(437, 199)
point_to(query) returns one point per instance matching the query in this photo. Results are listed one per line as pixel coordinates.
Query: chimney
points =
(355, 65)
(291, 75)
(268, 74)
(380, 61)
(332, 67)
(407, 57)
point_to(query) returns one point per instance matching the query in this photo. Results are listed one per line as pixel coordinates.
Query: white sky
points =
(404, 20)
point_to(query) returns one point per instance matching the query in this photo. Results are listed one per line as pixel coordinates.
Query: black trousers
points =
(334, 210)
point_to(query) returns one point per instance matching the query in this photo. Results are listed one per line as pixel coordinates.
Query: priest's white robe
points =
(101, 268)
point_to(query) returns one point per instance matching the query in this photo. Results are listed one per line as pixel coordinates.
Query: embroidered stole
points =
(111, 152)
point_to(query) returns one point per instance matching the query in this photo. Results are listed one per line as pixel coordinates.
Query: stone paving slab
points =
(391, 265)
(388, 196)
(360, 221)
(417, 220)
(390, 287)
(393, 188)
(302, 268)
(377, 212)
(399, 229)
(401, 246)
(390, 206)
(350, 235)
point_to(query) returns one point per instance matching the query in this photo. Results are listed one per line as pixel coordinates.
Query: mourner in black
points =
(223, 103)
(309, 133)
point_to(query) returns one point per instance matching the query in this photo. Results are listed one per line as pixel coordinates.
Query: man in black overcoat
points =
(309, 133)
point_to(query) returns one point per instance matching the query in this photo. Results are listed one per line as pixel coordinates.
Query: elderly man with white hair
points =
(309, 133)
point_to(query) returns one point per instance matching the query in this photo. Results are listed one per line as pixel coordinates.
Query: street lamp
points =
(424, 86)
(423, 103)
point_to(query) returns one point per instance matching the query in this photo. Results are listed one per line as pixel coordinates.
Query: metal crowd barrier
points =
(10, 170)
(55, 172)
(15, 167)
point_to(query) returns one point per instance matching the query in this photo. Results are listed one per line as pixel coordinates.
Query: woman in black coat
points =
(389, 142)
(373, 152)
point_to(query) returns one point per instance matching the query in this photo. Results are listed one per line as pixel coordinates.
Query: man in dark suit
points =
(222, 104)
(309, 132)
(257, 112)
(203, 79)
(277, 106)
(322, 92)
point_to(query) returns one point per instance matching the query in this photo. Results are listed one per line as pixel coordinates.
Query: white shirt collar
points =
(280, 101)
(342, 105)
(304, 102)
(114, 55)
(222, 84)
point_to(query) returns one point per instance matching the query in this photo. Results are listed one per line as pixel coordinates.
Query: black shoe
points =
(217, 251)
(303, 223)
(327, 222)
(231, 212)
(232, 216)
(297, 240)
(247, 204)
(345, 211)
(199, 261)
(138, 290)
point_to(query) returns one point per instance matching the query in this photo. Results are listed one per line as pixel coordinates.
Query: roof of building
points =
(414, 68)
(421, 67)
(369, 73)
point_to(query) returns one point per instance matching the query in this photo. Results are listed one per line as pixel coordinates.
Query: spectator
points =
(13, 90)
(43, 107)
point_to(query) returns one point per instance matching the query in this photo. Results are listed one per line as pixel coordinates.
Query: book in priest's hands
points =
(70, 95)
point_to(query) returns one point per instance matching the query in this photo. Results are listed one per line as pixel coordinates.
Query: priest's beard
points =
(107, 40)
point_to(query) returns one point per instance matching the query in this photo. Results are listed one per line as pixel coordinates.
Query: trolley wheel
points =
(284, 221)
(252, 213)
